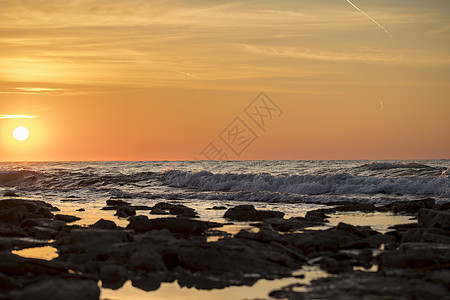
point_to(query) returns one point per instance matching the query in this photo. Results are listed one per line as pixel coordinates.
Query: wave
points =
(66, 179)
(388, 166)
(337, 184)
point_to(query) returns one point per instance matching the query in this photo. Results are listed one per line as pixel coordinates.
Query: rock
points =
(430, 235)
(186, 227)
(66, 218)
(434, 218)
(368, 285)
(43, 233)
(125, 211)
(157, 211)
(217, 208)
(147, 259)
(10, 194)
(416, 259)
(444, 206)
(11, 264)
(104, 224)
(17, 210)
(373, 241)
(7, 283)
(333, 266)
(91, 240)
(316, 216)
(81, 209)
(56, 289)
(361, 231)
(292, 224)
(112, 276)
(409, 206)
(174, 209)
(112, 202)
(249, 213)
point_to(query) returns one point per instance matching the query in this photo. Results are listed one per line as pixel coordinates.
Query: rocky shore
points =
(410, 261)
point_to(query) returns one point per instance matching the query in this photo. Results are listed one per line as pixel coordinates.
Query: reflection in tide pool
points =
(46, 252)
(259, 290)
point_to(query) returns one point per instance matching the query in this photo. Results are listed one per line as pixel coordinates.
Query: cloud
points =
(17, 117)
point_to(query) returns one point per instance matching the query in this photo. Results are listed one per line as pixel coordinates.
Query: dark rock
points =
(434, 218)
(249, 213)
(444, 206)
(113, 276)
(43, 233)
(11, 264)
(147, 259)
(430, 235)
(66, 218)
(368, 285)
(112, 202)
(17, 210)
(56, 289)
(316, 216)
(361, 231)
(125, 211)
(182, 226)
(174, 209)
(10, 194)
(81, 209)
(373, 241)
(104, 224)
(7, 283)
(217, 208)
(157, 211)
(409, 206)
(333, 266)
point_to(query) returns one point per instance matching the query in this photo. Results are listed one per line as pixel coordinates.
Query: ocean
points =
(281, 182)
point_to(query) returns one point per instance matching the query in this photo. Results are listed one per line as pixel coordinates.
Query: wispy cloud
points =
(17, 117)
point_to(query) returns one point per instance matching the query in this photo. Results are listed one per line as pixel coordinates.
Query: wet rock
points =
(217, 208)
(56, 289)
(7, 283)
(347, 206)
(17, 210)
(373, 241)
(92, 240)
(104, 224)
(409, 206)
(113, 276)
(367, 285)
(434, 218)
(147, 259)
(11, 264)
(292, 224)
(43, 233)
(157, 211)
(186, 227)
(333, 266)
(66, 218)
(112, 202)
(149, 282)
(361, 231)
(430, 235)
(125, 211)
(249, 213)
(9, 230)
(444, 206)
(174, 209)
(81, 209)
(328, 240)
(316, 216)
(10, 194)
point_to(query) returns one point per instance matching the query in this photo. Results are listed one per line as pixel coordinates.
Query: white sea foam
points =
(338, 184)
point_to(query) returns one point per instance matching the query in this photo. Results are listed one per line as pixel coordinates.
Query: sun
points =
(21, 133)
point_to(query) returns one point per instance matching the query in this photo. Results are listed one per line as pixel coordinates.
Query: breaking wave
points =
(339, 184)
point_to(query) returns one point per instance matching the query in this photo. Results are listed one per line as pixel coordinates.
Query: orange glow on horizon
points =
(367, 80)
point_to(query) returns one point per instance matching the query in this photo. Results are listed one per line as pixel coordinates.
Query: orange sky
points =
(161, 80)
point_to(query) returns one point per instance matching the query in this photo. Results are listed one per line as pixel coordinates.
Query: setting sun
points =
(21, 133)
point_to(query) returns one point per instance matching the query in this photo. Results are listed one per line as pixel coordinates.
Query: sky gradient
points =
(161, 80)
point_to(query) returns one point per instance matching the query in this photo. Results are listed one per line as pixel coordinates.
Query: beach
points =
(225, 230)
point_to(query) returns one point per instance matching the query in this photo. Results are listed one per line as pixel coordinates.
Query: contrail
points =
(370, 18)
(381, 107)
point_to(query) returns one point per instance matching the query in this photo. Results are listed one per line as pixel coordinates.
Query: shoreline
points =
(168, 242)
